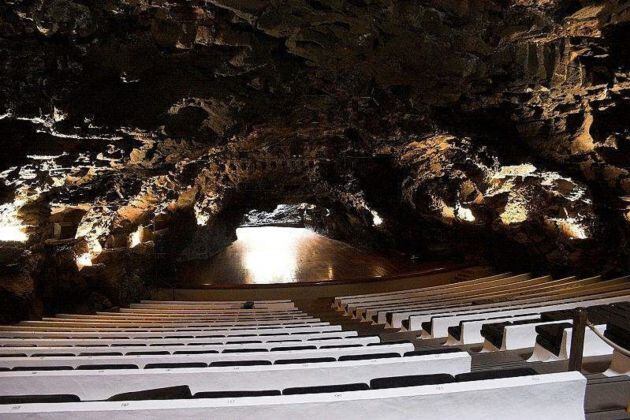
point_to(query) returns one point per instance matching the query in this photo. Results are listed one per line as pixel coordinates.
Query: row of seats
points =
(554, 334)
(249, 375)
(434, 309)
(520, 331)
(184, 391)
(505, 312)
(250, 360)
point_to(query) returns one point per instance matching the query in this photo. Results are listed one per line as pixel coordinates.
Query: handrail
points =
(607, 340)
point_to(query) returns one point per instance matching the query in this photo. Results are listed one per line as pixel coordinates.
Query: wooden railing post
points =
(577, 339)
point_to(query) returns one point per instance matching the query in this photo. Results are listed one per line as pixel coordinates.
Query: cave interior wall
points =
(138, 132)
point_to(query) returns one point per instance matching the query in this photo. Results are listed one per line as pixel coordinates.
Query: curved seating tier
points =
(264, 359)
(559, 395)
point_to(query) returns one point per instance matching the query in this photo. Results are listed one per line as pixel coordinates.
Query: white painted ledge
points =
(557, 396)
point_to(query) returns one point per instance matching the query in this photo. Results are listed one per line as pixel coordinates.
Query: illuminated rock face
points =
(485, 129)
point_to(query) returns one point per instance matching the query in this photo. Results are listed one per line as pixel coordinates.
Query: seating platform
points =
(274, 359)
(560, 394)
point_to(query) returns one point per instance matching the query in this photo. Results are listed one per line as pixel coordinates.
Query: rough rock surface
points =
(147, 129)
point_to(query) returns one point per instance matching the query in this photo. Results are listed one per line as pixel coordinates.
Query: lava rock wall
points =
(134, 133)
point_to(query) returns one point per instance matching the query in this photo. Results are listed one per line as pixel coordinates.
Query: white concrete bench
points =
(490, 288)
(215, 302)
(538, 292)
(145, 307)
(556, 396)
(283, 307)
(470, 331)
(521, 336)
(341, 301)
(99, 385)
(619, 365)
(143, 360)
(210, 306)
(30, 350)
(163, 324)
(440, 323)
(18, 332)
(38, 326)
(417, 317)
(593, 346)
(149, 341)
(166, 317)
(210, 311)
(436, 294)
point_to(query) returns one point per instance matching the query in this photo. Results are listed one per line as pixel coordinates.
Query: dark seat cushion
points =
(550, 336)
(389, 343)
(22, 368)
(294, 348)
(237, 394)
(494, 332)
(106, 367)
(494, 374)
(175, 365)
(411, 380)
(340, 346)
(104, 353)
(53, 355)
(324, 338)
(326, 388)
(240, 363)
(196, 352)
(618, 335)
(306, 360)
(38, 399)
(455, 331)
(436, 351)
(168, 393)
(368, 356)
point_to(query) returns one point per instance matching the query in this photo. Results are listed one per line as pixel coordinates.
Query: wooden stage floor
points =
(265, 255)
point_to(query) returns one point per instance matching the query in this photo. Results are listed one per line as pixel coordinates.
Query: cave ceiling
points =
(476, 124)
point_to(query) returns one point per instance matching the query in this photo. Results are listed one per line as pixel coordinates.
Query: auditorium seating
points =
(433, 310)
(506, 312)
(267, 359)
(558, 396)
(522, 328)
(553, 341)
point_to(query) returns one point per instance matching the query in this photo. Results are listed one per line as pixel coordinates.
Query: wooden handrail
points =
(577, 339)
